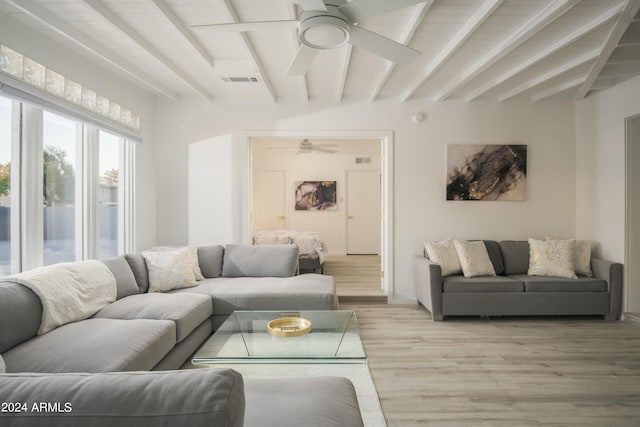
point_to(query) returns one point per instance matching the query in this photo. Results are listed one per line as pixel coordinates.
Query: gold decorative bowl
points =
(289, 327)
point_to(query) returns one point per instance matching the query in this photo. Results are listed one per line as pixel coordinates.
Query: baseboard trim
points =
(631, 318)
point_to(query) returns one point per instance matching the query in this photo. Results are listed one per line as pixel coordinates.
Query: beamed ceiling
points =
(470, 49)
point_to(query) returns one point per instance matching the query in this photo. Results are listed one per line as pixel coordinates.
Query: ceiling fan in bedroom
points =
(329, 24)
(305, 146)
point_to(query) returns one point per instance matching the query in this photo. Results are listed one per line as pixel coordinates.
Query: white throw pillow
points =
(552, 258)
(3, 367)
(581, 257)
(445, 254)
(192, 256)
(169, 269)
(474, 259)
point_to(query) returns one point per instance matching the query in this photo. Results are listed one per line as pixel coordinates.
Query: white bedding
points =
(69, 291)
(309, 243)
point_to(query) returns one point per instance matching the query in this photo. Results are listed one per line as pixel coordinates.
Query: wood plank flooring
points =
(357, 277)
(501, 372)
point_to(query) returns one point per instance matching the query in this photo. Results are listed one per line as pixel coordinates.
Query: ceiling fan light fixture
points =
(324, 32)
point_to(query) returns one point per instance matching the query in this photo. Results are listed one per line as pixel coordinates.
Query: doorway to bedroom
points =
(325, 195)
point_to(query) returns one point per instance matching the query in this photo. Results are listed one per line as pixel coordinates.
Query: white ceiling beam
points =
(233, 16)
(419, 12)
(625, 18)
(620, 69)
(183, 30)
(581, 60)
(344, 71)
(115, 21)
(548, 51)
(559, 88)
(549, 14)
(36, 11)
(291, 9)
(468, 28)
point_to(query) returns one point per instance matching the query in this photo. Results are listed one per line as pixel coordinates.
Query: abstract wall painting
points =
(315, 196)
(486, 172)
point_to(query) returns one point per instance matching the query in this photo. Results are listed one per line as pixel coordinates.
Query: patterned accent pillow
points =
(169, 269)
(581, 257)
(444, 253)
(193, 258)
(474, 259)
(552, 258)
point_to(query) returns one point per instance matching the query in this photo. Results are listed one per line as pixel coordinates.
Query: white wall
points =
(600, 169)
(95, 76)
(600, 172)
(421, 211)
(320, 167)
(210, 201)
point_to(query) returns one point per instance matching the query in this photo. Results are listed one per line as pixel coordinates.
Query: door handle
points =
(350, 217)
(281, 217)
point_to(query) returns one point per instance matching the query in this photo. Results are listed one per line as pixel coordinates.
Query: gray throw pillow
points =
(260, 261)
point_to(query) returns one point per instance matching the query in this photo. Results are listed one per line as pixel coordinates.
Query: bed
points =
(313, 250)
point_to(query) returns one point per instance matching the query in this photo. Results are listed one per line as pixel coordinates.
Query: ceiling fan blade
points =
(323, 150)
(248, 26)
(362, 9)
(382, 46)
(307, 5)
(302, 61)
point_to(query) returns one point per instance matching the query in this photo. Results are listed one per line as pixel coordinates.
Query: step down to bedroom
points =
(368, 299)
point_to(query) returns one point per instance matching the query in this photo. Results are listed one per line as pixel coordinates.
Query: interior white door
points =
(632, 273)
(363, 212)
(270, 200)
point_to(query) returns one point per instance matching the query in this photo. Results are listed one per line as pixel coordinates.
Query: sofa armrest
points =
(428, 283)
(198, 397)
(611, 272)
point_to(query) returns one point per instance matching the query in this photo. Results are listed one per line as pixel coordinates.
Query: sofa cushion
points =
(495, 255)
(303, 292)
(202, 397)
(170, 269)
(95, 345)
(188, 311)
(260, 261)
(552, 258)
(139, 268)
(444, 253)
(474, 259)
(455, 284)
(125, 280)
(210, 259)
(3, 367)
(291, 402)
(515, 254)
(560, 284)
(20, 315)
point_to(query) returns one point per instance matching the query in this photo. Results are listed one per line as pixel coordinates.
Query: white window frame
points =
(27, 226)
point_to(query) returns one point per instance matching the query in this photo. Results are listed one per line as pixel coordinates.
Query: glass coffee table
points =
(244, 338)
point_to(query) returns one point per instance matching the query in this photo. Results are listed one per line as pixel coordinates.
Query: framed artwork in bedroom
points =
(486, 172)
(315, 196)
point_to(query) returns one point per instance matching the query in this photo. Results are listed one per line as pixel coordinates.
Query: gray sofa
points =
(143, 331)
(512, 292)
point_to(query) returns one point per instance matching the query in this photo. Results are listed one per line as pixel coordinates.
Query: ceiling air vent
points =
(363, 160)
(240, 79)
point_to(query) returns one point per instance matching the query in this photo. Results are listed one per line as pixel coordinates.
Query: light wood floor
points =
(501, 372)
(357, 277)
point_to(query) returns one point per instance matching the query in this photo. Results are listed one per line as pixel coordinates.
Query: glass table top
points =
(243, 338)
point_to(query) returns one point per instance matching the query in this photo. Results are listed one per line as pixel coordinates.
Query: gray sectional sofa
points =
(513, 292)
(93, 361)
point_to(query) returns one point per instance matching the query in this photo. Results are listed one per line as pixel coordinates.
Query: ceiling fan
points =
(329, 24)
(305, 146)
